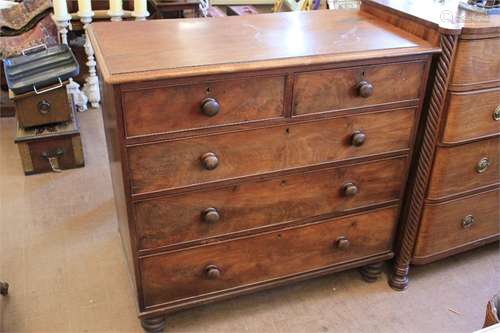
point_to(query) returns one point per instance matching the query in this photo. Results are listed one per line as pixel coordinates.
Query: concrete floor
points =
(61, 253)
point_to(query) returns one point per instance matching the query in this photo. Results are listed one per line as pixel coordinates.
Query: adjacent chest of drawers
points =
(454, 202)
(251, 160)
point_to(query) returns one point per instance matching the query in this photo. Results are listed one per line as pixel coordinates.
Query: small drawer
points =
(208, 158)
(464, 168)
(472, 115)
(184, 107)
(451, 225)
(251, 205)
(477, 62)
(50, 107)
(348, 88)
(257, 259)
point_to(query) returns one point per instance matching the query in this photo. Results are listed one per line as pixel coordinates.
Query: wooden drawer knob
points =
(210, 215)
(365, 89)
(350, 189)
(342, 243)
(496, 114)
(483, 165)
(43, 107)
(468, 221)
(210, 107)
(212, 272)
(209, 161)
(358, 138)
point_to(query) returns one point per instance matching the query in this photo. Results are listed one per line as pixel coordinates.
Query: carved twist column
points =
(409, 229)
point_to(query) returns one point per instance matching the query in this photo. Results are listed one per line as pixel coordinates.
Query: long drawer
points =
(209, 158)
(458, 223)
(212, 103)
(331, 90)
(250, 205)
(472, 115)
(465, 167)
(260, 258)
(477, 61)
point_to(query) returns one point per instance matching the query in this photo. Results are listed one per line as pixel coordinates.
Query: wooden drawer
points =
(180, 163)
(181, 218)
(338, 89)
(465, 167)
(451, 225)
(180, 107)
(265, 257)
(477, 62)
(472, 115)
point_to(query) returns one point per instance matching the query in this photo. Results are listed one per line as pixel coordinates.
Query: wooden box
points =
(50, 148)
(42, 108)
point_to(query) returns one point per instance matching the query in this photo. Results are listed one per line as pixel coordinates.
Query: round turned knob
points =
(210, 161)
(43, 107)
(483, 165)
(358, 138)
(350, 189)
(496, 114)
(210, 215)
(365, 89)
(342, 243)
(468, 221)
(212, 272)
(210, 107)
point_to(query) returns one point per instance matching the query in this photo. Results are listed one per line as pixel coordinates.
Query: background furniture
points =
(236, 167)
(454, 201)
(175, 8)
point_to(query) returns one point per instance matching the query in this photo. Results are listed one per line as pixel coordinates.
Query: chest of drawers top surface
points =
(140, 51)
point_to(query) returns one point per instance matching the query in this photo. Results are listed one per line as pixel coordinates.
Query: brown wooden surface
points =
(175, 108)
(323, 91)
(454, 169)
(441, 228)
(253, 205)
(445, 16)
(470, 116)
(27, 108)
(245, 43)
(155, 167)
(477, 64)
(181, 274)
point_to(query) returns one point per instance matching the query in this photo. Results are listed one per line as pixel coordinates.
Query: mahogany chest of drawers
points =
(454, 202)
(248, 152)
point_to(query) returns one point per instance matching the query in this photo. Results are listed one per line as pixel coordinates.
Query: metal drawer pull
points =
(496, 114)
(38, 92)
(358, 138)
(342, 243)
(212, 272)
(350, 189)
(468, 221)
(53, 158)
(483, 165)
(43, 107)
(365, 89)
(210, 107)
(210, 215)
(26, 51)
(209, 161)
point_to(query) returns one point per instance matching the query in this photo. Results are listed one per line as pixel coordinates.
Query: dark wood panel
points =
(182, 274)
(250, 205)
(178, 163)
(179, 107)
(332, 90)
(477, 61)
(456, 169)
(449, 225)
(472, 115)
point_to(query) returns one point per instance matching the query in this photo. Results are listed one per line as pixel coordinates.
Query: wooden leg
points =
(399, 279)
(371, 273)
(4, 288)
(154, 325)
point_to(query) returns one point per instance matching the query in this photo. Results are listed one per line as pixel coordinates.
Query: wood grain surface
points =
(172, 164)
(181, 274)
(252, 205)
(338, 89)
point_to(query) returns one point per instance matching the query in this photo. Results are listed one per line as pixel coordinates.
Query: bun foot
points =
(154, 325)
(399, 281)
(371, 273)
